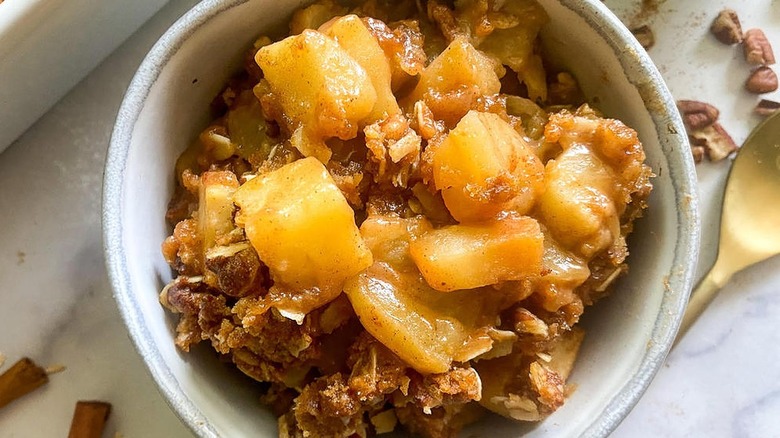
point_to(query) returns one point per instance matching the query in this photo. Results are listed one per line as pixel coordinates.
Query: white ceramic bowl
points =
(629, 334)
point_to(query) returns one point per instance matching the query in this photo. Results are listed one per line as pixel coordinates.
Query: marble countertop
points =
(723, 380)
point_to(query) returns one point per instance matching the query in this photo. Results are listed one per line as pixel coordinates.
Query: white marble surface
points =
(723, 380)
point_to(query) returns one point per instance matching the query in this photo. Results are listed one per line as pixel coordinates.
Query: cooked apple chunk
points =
(302, 227)
(516, 46)
(590, 184)
(314, 15)
(578, 204)
(485, 167)
(424, 327)
(469, 256)
(323, 91)
(354, 37)
(453, 82)
(215, 206)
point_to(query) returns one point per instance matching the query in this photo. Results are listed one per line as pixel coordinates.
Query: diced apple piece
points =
(432, 204)
(354, 37)
(424, 327)
(403, 46)
(215, 207)
(323, 91)
(248, 129)
(392, 307)
(561, 267)
(615, 144)
(453, 81)
(388, 238)
(304, 230)
(515, 46)
(577, 204)
(313, 16)
(469, 256)
(485, 167)
(535, 78)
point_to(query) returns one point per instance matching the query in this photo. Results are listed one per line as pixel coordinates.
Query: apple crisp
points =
(397, 217)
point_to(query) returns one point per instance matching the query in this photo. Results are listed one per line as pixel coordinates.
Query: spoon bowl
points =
(750, 218)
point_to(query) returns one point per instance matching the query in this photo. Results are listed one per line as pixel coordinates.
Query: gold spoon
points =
(750, 220)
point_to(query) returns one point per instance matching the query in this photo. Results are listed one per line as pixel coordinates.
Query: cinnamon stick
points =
(89, 419)
(22, 378)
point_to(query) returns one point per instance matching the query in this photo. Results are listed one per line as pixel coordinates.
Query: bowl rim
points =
(678, 285)
(116, 160)
(630, 55)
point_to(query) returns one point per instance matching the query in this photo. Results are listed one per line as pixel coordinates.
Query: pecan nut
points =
(758, 50)
(726, 27)
(762, 80)
(767, 107)
(645, 36)
(716, 141)
(697, 115)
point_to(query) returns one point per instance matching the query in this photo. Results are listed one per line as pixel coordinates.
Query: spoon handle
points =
(701, 297)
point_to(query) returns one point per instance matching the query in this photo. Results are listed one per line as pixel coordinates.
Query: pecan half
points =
(767, 107)
(758, 50)
(726, 27)
(645, 36)
(697, 115)
(715, 140)
(762, 80)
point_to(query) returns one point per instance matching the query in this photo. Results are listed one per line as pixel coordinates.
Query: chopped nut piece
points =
(726, 27)
(236, 269)
(645, 36)
(89, 419)
(767, 107)
(717, 142)
(705, 134)
(54, 369)
(758, 50)
(22, 378)
(697, 115)
(762, 80)
(698, 153)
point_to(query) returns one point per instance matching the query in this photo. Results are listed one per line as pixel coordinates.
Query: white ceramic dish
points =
(47, 46)
(167, 105)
